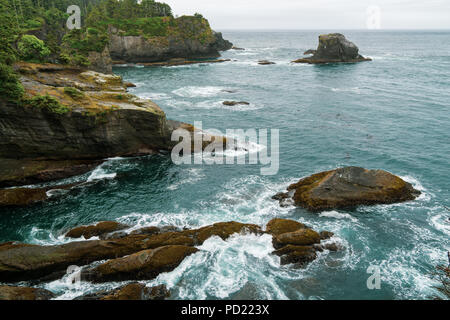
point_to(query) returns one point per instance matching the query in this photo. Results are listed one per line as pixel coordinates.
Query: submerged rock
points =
(235, 103)
(24, 293)
(333, 47)
(265, 62)
(99, 229)
(143, 265)
(133, 291)
(350, 187)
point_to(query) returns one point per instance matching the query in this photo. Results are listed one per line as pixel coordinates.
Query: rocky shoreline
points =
(141, 254)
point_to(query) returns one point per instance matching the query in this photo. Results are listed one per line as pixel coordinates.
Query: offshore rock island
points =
(333, 48)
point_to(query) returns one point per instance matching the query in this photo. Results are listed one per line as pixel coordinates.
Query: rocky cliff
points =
(184, 37)
(77, 114)
(69, 121)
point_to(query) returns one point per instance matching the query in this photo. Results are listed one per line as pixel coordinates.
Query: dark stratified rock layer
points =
(24, 293)
(141, 256)
(99, 229)
(16, 172)
(24, 262)
(189, 38)
(20, 197)
(72, 121)
(333, 48)
(350, 187)
(100, 118)
(133, 291)
(146, 254)
(143, 265)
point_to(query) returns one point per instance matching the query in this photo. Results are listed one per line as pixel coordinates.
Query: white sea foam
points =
(356, 90)
(56, 192)
(214, 104)
(441, 222)
(192, 91)
(250, 194)
(425, 194)
(44, 237)
(403, 267)
(100, 173)
(227, 266)
(154, 95)
(337, 215)
(67, 291)
(193, 175)
(242, 148)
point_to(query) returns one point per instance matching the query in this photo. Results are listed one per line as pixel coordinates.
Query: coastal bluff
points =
(68, 122)
(184, 37)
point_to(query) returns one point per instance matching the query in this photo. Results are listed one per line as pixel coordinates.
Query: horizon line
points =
(320, 29)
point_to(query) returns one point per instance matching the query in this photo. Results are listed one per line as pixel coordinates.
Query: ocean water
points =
(392, 113)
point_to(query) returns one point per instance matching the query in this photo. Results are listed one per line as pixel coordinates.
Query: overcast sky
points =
(318, 14)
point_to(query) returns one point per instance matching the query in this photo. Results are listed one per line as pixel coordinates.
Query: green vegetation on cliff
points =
(10, 87)
(35, 30)
(48, 103)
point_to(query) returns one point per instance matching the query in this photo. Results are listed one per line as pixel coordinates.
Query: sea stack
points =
(333, 48)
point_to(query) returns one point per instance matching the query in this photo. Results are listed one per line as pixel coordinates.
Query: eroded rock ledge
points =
(145, 253)
(347, 187)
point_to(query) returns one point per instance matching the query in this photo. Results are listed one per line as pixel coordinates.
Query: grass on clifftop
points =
(48, 103)
(185, 27)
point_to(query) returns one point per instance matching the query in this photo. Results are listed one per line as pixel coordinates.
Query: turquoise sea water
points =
(392, 113)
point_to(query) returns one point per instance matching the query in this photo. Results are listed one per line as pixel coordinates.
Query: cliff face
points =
(95, 118)
(184, 37)
(71, 119)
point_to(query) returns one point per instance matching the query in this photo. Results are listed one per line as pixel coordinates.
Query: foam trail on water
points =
(192, 91)
(337, 215)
